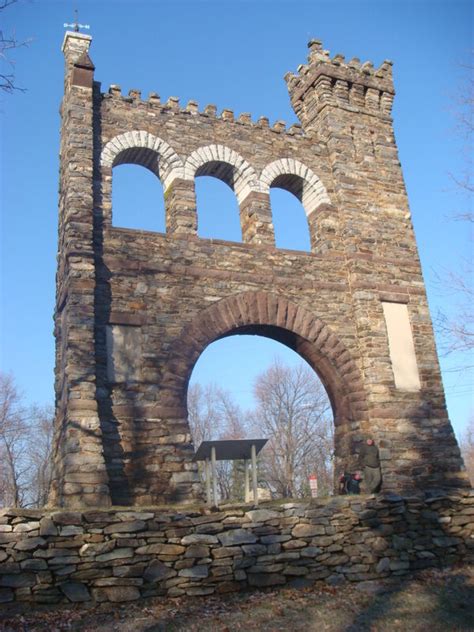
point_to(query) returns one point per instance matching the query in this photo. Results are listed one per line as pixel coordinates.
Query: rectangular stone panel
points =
(401, 346)
(124, 353)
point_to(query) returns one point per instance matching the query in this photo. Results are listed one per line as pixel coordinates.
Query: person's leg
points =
(368, 479)
(377, 479)
(372, 479)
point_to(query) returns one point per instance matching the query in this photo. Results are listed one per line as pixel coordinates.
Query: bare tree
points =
(25, 448)
(213, 415)
(457, 328)
(13, 445)
(293, 411)
(40, 443)
(467, 449)
(8, 42)
(202, 413)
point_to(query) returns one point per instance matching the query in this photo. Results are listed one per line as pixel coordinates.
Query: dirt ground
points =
(430, 602)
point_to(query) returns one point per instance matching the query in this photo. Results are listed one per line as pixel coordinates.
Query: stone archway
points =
(142, 148)
(275, 317)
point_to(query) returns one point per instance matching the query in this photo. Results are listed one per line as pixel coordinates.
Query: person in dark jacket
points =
(353, 484)
(343, 481)
(369, 459)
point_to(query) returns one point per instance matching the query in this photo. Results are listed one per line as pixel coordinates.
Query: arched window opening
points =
(217, 206)
(137, 199)
(247, 386)
(289, 217)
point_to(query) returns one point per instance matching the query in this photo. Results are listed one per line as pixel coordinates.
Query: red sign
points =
(313, 485)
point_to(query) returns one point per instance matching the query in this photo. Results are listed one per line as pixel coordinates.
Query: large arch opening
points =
(276, 318)
(250, 386)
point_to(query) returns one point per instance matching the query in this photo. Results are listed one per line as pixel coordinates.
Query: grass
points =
(431, 601)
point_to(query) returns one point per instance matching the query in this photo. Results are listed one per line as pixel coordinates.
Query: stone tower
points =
(135, 309)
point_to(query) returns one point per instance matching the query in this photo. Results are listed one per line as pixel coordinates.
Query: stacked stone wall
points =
(122, 554)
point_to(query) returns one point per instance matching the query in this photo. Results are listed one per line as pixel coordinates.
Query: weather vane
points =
(76, 24)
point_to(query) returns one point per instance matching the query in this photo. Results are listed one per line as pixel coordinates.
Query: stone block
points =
(70, 530)
(97, 548)
(131, 526)
(195, 572)
(116, 554)
(274, 539)
(254, 549)
(156, 571)
(25, 527)
(199, 538)
(29, 544)
(262, 515)
(236, 537)
(161, 549)
(294, 544)
(197, 550)
(33, 565)
(17, 580)
(200, 591)
(66, 517)
(307, 530)
(336, 560)
(116, 594)
(295, 570)
(310, 551)
(75, 591)
(226, 551)
(47, 527)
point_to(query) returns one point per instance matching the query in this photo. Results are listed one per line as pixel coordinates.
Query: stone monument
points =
(135, 309)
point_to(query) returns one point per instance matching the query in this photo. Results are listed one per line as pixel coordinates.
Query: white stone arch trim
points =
(245, 179)
(314, 193)
(169, 165)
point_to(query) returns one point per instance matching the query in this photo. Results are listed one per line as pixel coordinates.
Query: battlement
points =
(80, 69)
(333, 81)
(172, 105)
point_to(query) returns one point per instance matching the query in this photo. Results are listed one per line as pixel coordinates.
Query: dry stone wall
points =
(135, 309)
(121, 555)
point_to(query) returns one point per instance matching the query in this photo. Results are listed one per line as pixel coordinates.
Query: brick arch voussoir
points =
(230, 314)
(314, 192)
(170, 164)
(319, 345)
(245, 176)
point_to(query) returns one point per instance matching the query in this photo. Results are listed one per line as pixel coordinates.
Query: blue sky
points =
(233, 54)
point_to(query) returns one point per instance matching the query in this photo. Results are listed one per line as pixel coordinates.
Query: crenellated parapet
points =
(352, 85)
(172, 106)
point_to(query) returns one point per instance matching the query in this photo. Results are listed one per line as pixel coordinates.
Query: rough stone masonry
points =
(125, 554)
(135, 309)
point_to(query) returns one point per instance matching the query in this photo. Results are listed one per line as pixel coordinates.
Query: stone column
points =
(323, 225)
(80, 477)
(180, 204)
(256, 219)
